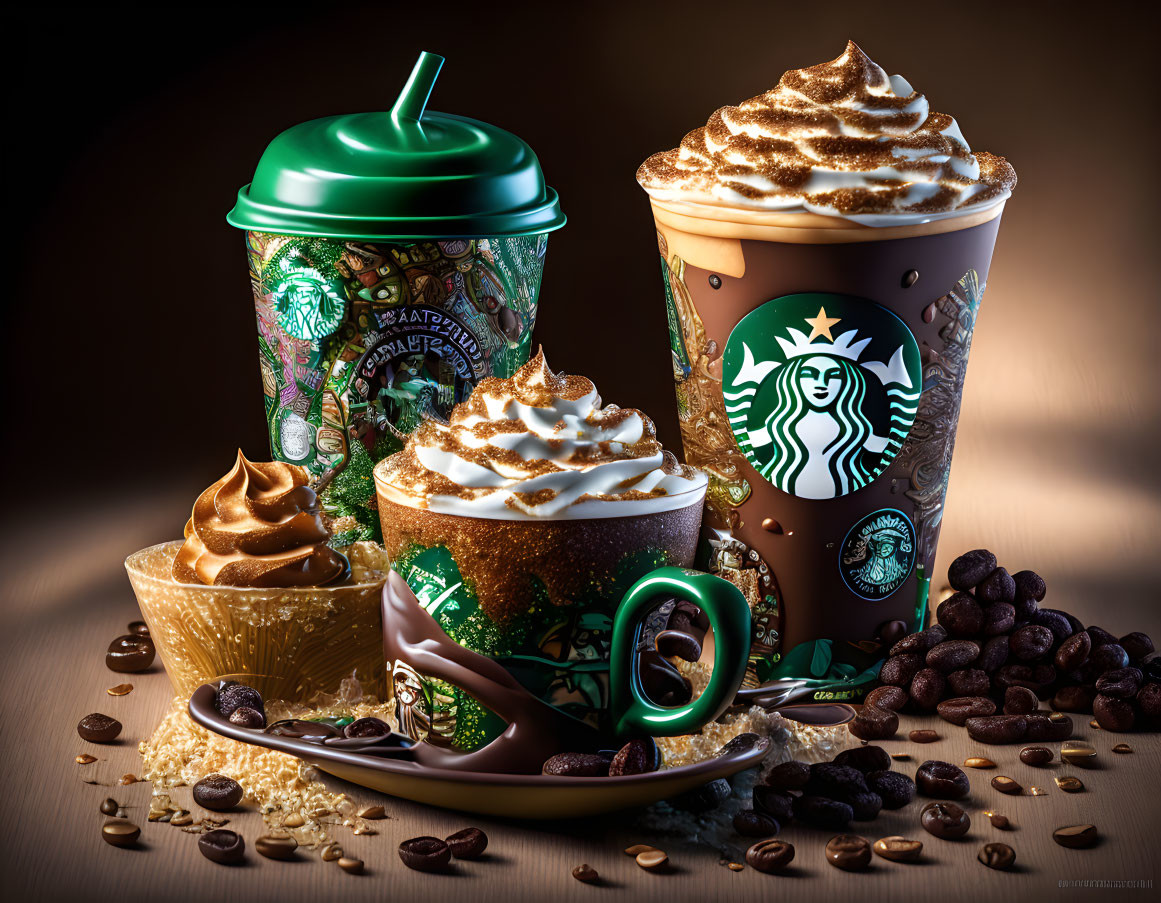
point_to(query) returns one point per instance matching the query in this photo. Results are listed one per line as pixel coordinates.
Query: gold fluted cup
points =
(290, 643)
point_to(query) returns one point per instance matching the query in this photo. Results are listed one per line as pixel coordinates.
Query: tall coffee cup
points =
(821, 302)
(395, 260)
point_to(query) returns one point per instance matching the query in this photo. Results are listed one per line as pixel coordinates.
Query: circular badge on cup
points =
(878, 553)
(821, 390)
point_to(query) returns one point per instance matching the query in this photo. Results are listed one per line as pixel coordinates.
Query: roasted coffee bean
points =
(1073, 651)
(1047, 728)
(276, 846)
(577, 765)
(120, 833)
(704, 798)
(350, 865)
(998, 821)
(891, 632)
(894, 789)
(1073, 699)
(898, 670)
(1055, 622)
(946, 821)
(1070, 784)
(961, 615)
(788, 776)
(661, 681)
(1036, 755)
(994, 654)
(314, 731)
(750, 823)
(838, 782)
(331, 852)
(1122, 749)
(1121, 683)
(997, 587)
(889, 698)
(1076, 837)
(999, 619)
(1005, 784)
(1113, 714)
(969, 682)
(367, 728)
(820, 812)
(235, 695)
(1137, 645)
(997, 856)
(865, 805)
(742, 743)
(138, 628)
(653, 860)
(217, 792)
(899, 849)
(918, 643)
(1020, 701)
(222, 846)
(770, 856)
(874, 724)
(469, 843)
(1100, 637)
(1151, 666)
(971, 569)
(635, 757)
(678, 643)
(1031, 642)
(1034, 678)
(586, 874)
(1149, 699)
(98, 728)
(927, 688)
(1080, 754)
(1030, 585)
(130, 654)
(978, 762)
(109, 807)
(244, 716)
(1108, 658)
(425, 854)
(865, 758)
(942, 780)
(848, 852)
(923, 736)
(777, 803)
(952, 655)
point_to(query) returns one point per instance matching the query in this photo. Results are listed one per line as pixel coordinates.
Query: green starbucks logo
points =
(878, 553)
(821, 390)
(309, 306)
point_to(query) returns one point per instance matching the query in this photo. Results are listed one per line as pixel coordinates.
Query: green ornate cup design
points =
(359, 341)
(564, 608)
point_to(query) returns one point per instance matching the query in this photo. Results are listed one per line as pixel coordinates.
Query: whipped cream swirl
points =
(538, 444)
(841, 139)
(258, 526)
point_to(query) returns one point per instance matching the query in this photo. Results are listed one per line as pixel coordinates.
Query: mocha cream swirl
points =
(258, 526)
(842, 139)
(538, 444)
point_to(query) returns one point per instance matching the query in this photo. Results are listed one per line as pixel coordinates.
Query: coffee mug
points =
(554, 662)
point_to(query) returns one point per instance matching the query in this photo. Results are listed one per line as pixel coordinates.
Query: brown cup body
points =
(786, 551)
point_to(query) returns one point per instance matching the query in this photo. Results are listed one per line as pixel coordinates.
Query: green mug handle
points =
(729, 616)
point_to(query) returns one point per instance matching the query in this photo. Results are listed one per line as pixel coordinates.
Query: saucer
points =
(532, 796)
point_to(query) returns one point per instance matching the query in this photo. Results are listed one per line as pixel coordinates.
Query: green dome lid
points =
(406, 174)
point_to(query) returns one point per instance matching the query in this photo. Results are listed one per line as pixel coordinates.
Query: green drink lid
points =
(407, 174)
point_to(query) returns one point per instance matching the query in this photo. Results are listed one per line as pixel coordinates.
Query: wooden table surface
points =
(64, 608)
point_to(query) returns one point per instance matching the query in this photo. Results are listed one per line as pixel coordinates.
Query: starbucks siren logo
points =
(821, 413)
(878, 554)
(309, 306)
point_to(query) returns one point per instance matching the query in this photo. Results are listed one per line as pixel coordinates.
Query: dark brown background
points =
(129, 347)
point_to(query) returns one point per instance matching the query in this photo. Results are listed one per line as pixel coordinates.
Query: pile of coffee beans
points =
(855, 786)
(995, 653)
